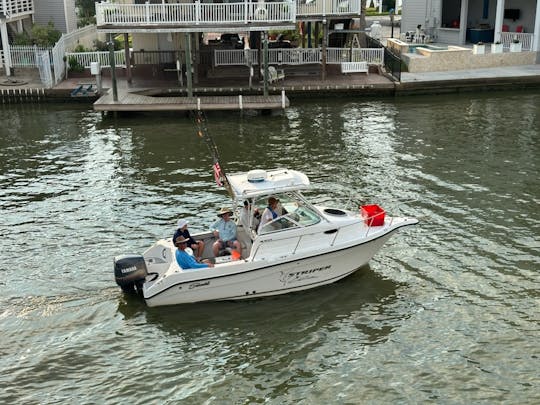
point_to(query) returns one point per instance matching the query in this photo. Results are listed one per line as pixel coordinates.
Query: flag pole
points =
(219, 170)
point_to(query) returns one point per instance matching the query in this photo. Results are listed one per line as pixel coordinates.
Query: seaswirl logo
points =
(294, 276)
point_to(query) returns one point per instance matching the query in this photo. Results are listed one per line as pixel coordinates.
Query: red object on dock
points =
(373, 215)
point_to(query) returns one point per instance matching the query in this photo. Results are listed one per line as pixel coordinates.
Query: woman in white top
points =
(269, 212)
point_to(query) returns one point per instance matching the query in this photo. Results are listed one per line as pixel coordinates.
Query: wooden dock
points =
(137, 102)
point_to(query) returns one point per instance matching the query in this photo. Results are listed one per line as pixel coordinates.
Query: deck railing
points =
(194, 13)
(526, 39)
(327, 7)
(25, 55)
(299, 56)
(85, 58)
(16, 8)
(370, 55)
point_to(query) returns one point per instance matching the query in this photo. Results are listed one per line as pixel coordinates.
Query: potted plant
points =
(515, 45)
(497, 47)
(479, 48)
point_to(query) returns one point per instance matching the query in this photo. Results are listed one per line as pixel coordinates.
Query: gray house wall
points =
(415, 12)
(60, 12)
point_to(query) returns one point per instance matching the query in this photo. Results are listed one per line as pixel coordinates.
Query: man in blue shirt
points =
(185, 260)
(225, 232)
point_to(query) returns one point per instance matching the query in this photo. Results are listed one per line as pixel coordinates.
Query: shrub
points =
(104, 46)
(45, 35)
(74, 65)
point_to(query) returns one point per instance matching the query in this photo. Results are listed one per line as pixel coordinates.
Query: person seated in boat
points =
(196, 245)
(269, 212)
(244, 216)
(225, 233)
(184, 259)
(280, 209)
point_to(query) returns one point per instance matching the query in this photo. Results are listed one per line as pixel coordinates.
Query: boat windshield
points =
(293, 212)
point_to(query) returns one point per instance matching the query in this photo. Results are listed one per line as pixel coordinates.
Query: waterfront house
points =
(17, 16)
(169, 33)
(459, 22)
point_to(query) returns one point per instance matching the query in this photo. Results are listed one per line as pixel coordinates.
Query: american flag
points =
(217, 174)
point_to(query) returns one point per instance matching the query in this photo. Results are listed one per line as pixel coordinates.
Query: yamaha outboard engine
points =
(130, 272)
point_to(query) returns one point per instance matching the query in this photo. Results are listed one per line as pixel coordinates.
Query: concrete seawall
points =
(355, 86)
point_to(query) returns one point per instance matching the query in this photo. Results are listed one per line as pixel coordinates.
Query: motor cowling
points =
(130, 272)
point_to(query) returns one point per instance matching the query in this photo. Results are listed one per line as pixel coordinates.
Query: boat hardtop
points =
(259, 182)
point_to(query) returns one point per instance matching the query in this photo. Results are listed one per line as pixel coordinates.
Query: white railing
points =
(194, 13)
(327, 7)
(526, 39)
(16, 8)
(295, 56)
(370, 55)
(80, 35)
(299, 56)
(231, 57)
(25, 55)
(43, 62)
(85, 58)
(58, 52)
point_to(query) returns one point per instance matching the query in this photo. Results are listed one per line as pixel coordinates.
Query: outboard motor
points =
(130, 272)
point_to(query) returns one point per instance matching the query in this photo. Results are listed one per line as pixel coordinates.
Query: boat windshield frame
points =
(299, 213)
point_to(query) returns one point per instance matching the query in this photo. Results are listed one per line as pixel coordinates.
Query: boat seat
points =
(274, 75)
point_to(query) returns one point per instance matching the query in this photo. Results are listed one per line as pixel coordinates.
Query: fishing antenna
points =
(219, 171)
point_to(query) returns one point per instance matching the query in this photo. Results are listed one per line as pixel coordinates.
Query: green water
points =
(447, 312)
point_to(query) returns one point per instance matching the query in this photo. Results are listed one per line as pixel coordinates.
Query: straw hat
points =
(225, 211)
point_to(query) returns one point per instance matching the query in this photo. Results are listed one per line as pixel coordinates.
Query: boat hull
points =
(244, 280)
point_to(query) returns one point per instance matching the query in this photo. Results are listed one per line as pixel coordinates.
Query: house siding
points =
(71, 16)
(60, 12)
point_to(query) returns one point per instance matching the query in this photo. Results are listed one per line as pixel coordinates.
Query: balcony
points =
(327, 8)
(16, 9)
(193, 16)
(203, 17)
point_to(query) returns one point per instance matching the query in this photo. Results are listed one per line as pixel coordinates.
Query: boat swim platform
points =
(128, 101)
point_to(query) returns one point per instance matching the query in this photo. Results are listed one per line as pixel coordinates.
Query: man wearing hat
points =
(225, 232)
(196, 245)
(185, 260)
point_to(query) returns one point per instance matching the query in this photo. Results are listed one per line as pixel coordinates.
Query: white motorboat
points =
(306, 247)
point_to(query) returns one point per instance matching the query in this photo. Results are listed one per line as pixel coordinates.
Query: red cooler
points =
(373, 215)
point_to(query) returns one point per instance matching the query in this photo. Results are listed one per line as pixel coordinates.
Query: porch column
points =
(265, 63)
(499, 14)
(127, 57)
(324, 49)
(536, 38)
(189, 73)
(196, 59)
(5, 45)
(113, 68)
(463, 21)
